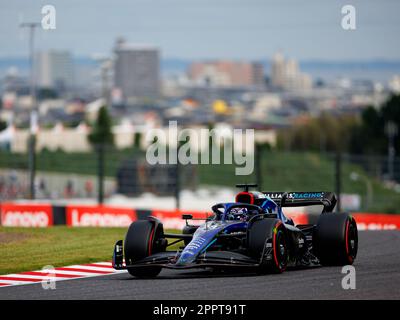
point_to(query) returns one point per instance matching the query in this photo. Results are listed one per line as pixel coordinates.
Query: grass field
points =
(279, 171)
(307, 171)
(59, 161)
(27, 249)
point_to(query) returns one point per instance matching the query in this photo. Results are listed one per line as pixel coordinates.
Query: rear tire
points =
(140, 242)
(336, 239)
(267, 242)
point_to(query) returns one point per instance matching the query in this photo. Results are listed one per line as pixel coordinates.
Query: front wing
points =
(167, 259)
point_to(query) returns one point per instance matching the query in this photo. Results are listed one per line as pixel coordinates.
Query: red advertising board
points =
(377, 221)
(99, 216)
(42, 215)
(26, 215)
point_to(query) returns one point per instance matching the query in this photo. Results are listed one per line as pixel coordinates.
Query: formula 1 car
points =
(251, 232)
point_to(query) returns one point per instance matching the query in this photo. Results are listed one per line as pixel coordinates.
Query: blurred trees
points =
(325, 133)
(137, 138)
(3, 124)
(101, 131)
(370, 137)
(358, 134)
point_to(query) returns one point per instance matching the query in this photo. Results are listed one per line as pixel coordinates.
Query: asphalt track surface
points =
(377, 277)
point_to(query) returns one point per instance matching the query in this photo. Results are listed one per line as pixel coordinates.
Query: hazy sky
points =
(240, 29)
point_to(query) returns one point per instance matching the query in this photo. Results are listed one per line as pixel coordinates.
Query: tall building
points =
(227, 73)
(286, 75)
(278, 71)
(137, 70)
(394, 84)
(54, 69)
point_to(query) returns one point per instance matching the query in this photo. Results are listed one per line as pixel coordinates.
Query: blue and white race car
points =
(251, 233)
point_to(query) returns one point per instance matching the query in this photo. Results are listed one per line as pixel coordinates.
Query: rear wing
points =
(300, 199)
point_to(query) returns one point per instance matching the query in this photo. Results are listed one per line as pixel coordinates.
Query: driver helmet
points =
(237, 214)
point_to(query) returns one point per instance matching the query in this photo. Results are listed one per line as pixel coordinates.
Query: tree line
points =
(364, 133)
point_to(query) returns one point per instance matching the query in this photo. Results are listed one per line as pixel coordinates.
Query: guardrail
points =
(47, 215)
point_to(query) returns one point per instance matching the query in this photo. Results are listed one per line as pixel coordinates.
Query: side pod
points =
(118, 256)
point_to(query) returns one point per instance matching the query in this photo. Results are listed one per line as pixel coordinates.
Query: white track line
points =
(17, 282)
(72, 273)
(90, 268)
(103, 263)
(57, 275)
(41, 277)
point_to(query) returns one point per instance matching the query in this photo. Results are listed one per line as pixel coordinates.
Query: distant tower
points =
(278, 71)
(120, 42)
(137, 70)
(54, 69)
(286, 75)
(291, 74)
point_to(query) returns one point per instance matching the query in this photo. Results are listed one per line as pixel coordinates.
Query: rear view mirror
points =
(187, 216)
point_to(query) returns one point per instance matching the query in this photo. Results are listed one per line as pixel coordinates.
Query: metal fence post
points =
(100, 173)
(338, 179)
(258, 170)
(177, 180)
(32, 165)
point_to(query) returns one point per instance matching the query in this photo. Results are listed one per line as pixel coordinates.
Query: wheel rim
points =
(351, 240)
(280, 250)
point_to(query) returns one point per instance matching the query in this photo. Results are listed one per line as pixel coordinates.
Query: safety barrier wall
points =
(46, 215)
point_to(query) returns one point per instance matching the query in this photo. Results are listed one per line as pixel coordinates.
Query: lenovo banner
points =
(26, 215)
(376, 221)
(99, 216)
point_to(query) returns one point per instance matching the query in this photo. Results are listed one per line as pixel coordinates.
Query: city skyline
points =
(205, 29)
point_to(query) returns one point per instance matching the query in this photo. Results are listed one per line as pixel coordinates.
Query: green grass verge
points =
(296, 171)
(280, 171)
(63, 162)
(27, 249)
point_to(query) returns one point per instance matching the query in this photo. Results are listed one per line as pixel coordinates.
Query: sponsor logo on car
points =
(297, 195)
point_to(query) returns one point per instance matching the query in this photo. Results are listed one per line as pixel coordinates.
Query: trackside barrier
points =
(377, 221)
(99, 216)
(46, 215)
(26, 215)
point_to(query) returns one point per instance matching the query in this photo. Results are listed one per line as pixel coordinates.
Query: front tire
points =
(267, 241)
(336, 239)
(141, 241)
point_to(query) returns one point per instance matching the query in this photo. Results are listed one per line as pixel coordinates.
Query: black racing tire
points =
(335, 240)
(267, 237)
(140, 242)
